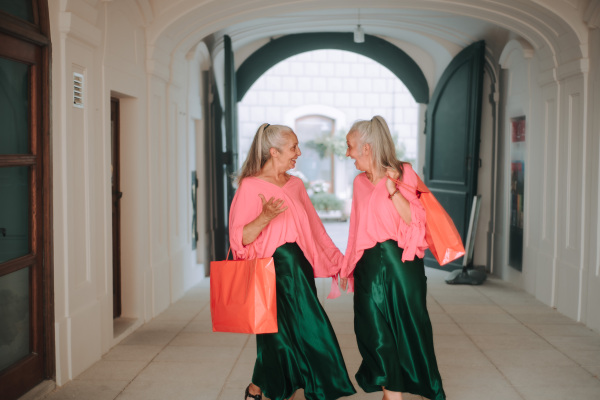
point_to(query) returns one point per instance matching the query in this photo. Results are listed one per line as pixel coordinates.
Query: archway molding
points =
(557, 37)
(381, 51)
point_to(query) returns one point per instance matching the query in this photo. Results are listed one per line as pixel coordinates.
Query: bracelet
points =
(392, 195)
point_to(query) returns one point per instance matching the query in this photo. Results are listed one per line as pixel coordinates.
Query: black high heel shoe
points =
(254, 396)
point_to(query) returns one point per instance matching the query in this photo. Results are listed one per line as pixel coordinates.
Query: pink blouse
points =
(374, 219)
(299, 223)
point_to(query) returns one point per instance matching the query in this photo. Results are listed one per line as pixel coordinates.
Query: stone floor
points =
(493, 342)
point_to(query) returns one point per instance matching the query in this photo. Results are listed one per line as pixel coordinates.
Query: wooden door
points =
(115, 168)
(453, 128)
(26, 305)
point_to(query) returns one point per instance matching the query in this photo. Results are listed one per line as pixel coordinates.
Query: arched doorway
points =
(384, 52)
(453, 118)
(320, 94)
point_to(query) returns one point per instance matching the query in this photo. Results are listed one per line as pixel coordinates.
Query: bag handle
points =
(397, 182)
(228, 252)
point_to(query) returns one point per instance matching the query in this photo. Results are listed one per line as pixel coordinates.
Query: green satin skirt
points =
(304, 353)
(392, 325)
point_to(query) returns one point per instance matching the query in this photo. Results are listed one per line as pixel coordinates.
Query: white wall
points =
(561, 184)
(515, 102)
(106, 42)
(590, 313)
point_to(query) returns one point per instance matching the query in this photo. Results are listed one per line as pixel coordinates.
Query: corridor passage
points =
(493, 342)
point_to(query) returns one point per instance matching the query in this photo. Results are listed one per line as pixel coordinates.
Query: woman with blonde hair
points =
(384, 266)
(304, 353)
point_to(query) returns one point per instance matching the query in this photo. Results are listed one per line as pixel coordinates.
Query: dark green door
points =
(231, 136)
(216, 177)
(453, 128)
(221, 157)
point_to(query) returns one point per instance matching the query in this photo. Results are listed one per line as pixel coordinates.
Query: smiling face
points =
(290, 151)
(359, 153)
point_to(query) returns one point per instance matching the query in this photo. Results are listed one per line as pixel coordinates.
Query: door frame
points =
(38, 35)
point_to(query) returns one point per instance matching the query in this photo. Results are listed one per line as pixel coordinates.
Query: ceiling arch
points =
(554, 28)
(388, 55)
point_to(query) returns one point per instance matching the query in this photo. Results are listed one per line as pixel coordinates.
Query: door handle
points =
(3, 231)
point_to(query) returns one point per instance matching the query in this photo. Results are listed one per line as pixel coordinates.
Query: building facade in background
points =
(320, 94)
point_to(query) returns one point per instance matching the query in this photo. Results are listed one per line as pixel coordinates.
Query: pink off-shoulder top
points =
(299, 223)
(374, 219)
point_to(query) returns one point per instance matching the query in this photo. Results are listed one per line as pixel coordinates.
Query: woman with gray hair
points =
(384, 266)
(304, 353)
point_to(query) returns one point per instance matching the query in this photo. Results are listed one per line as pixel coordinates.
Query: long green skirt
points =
(304, 353)
(392, 324)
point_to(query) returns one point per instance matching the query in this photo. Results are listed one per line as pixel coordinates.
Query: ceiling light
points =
(359, 35)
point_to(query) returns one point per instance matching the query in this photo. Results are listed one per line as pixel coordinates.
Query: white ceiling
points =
(432, 30)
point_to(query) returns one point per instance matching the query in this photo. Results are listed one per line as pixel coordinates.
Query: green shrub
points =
(324, 201)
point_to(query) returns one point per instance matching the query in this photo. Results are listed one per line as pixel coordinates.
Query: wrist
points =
(264, 219)
(390, 195)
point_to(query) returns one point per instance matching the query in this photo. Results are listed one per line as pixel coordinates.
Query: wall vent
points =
(77, 90)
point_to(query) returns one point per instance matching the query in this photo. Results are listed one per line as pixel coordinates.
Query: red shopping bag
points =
(242, 296)
(441, 235)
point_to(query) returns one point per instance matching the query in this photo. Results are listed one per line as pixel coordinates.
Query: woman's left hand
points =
(390, 184)
(344, 283)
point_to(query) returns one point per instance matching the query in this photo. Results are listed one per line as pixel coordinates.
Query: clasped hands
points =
(273, 207)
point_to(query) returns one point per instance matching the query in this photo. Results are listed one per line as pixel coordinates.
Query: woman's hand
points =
(344, 283)
(389, 183)
(271, 208)
(400, 203)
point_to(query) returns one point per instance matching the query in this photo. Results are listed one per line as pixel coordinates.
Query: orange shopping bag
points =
(441, 235)
(242, 296)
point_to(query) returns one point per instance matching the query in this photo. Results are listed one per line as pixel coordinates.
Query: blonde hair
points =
(266, 137)
(377, 135)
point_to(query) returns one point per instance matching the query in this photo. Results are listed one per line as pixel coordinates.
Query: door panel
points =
(116, 204)
(14, 107)
(231, 122)
(216, 177)
(221, 157)
(453, 128)
(19, 9)
(449, 124)
(26, 308)
(15, 323)
(14, 213)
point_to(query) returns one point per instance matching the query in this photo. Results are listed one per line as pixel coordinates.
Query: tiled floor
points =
(493, 342)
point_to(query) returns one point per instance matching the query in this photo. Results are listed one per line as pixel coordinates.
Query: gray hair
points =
(377, 135)
(266, 137)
